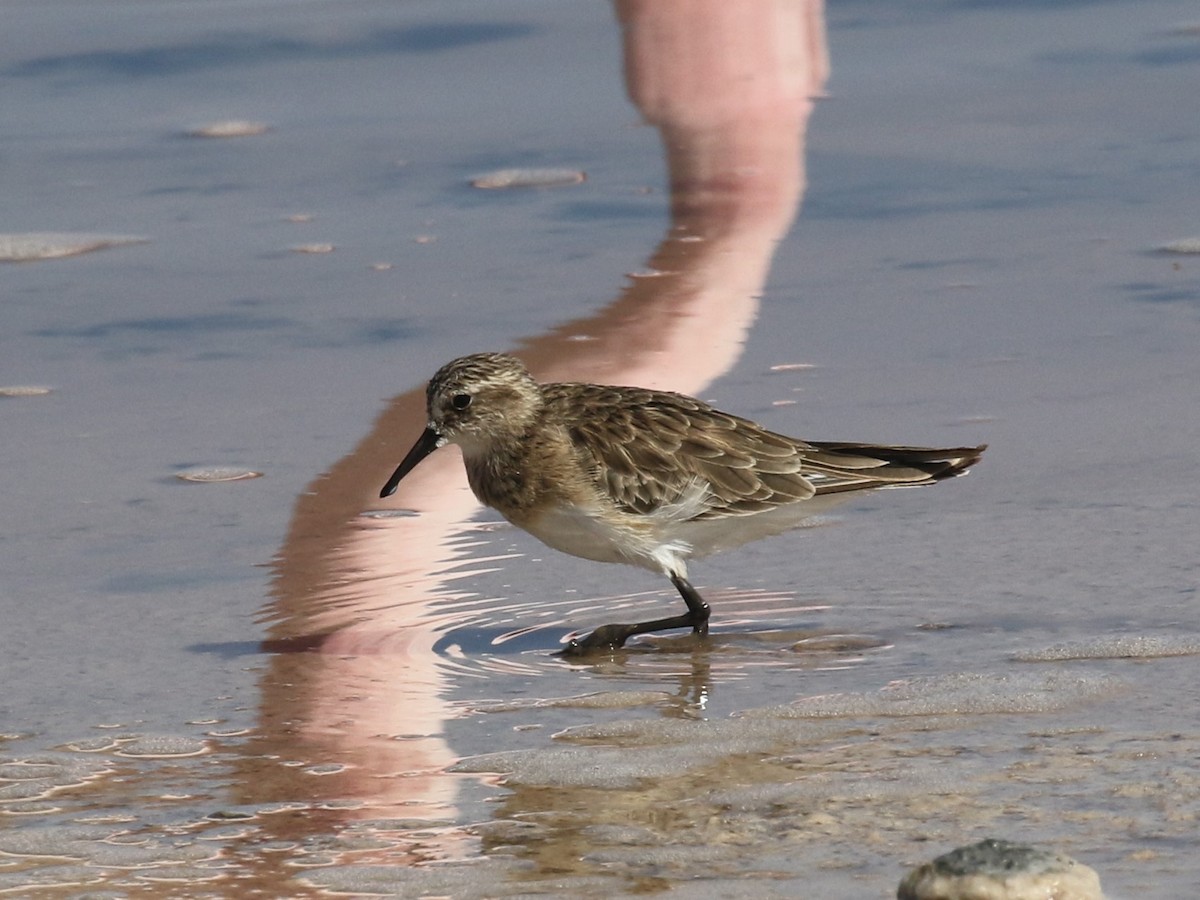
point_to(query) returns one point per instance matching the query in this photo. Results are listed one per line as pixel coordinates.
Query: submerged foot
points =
(606, 637)
(613, 637)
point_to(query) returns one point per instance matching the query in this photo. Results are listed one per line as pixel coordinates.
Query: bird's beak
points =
(429, 441)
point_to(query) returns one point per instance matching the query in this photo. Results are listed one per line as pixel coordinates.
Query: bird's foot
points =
(606, 637)
(613, 637)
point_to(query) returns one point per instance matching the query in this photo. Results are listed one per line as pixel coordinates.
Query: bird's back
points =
(648, 449)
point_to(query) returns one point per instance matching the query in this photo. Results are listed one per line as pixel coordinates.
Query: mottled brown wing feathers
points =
(648, 449)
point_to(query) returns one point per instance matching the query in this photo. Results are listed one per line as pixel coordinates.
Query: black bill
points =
(429, 441)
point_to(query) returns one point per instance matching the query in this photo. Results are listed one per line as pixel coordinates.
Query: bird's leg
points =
(697, 608)
(611, 637)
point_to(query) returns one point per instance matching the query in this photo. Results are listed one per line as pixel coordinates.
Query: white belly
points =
(614, 537)
(663, 542)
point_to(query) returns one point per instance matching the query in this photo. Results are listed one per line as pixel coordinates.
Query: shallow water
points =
(282, 684)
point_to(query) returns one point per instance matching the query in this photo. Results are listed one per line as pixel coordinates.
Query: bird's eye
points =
(460, 401)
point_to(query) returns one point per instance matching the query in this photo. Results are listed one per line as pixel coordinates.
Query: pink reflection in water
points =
(730, 87)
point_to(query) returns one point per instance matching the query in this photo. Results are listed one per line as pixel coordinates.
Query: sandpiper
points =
(642, 477)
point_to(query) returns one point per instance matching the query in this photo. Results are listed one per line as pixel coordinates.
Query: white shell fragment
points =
(521, 178)
(1183, 245)
(216, 474)
(35, 245)
(229, 128)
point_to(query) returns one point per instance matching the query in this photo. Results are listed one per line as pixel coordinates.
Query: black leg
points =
(697, 608)
(611, 637)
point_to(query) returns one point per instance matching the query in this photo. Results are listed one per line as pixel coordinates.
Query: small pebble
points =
(165, 746)
(999, 870)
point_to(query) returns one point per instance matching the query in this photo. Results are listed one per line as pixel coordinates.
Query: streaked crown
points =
(475, 400)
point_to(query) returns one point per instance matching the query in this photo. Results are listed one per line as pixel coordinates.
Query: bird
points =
(644, 477)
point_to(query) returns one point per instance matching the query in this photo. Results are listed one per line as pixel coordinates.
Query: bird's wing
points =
(651, 451)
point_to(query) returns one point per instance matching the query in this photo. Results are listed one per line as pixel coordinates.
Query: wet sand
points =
(925, 224)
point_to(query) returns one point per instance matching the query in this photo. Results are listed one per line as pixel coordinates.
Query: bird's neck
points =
(517, 474)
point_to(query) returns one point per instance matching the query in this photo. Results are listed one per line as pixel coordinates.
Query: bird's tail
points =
(838, 467)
